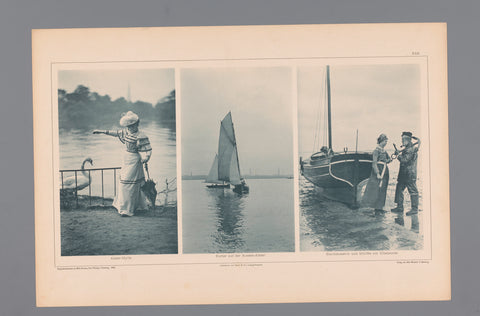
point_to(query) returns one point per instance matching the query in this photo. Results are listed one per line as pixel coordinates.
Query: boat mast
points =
(329, 109)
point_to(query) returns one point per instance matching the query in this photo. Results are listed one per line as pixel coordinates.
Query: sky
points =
(374, 99)
(148, 85)
(260, 100)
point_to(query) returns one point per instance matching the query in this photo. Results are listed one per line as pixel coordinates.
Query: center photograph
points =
(237, 160)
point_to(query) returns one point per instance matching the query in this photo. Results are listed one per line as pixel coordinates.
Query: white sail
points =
(228, 168)
(212, 176)
(234, 170)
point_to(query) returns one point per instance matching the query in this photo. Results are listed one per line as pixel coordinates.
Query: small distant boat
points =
(225, 170)
(341, 175)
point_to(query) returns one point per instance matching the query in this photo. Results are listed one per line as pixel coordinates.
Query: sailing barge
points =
(225, 170)
(341, 175)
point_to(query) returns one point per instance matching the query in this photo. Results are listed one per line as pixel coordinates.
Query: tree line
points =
(83, 108)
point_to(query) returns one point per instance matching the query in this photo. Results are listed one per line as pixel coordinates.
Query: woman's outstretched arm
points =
(106, 132)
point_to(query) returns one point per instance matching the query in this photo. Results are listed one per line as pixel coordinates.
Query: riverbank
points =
(97, 229)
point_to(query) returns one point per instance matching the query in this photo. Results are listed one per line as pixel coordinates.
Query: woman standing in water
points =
(376, 190)
(138, 151)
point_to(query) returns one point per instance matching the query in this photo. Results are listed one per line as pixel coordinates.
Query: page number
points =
(415, 53)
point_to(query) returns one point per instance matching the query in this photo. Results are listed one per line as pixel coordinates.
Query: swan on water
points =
(83, 180)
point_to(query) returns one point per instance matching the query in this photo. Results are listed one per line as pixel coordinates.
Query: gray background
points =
(18, 17)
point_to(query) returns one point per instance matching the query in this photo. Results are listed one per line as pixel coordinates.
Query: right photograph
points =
(359, 138)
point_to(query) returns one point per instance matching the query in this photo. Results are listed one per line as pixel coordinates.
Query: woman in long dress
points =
(130, 196)
(376, 190)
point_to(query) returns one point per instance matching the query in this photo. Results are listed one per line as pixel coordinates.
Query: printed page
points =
(241, 164)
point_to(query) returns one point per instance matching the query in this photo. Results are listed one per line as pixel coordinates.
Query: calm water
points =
(107, 151)
(331, 226)
(219, 220)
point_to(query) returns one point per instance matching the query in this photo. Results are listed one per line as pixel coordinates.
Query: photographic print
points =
(241, 164)
(117, 154)
(237, 189)
(360, 143)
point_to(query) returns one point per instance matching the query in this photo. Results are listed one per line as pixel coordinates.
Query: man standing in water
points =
(407, 175)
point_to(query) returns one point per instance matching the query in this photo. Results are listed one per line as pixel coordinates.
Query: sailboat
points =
(341, 175)
(225, 170)
(212, 177)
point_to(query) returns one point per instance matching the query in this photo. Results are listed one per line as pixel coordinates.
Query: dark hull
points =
(341, 176)
(218, 186)
(241, 189)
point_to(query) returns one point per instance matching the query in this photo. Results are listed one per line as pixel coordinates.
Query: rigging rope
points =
(318, 121)
(325, 111)
(317, 127)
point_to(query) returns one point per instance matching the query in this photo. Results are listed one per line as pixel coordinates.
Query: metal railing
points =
(75, 189)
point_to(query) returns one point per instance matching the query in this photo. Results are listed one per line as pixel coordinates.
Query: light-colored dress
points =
(376, 190)
(130, 196)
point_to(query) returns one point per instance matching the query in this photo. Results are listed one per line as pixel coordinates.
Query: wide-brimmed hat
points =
(128, 119)
(408, 134)
(381, 138)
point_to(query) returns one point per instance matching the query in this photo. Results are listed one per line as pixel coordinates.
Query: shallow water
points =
(107, 151)
(327, 225)
(220, 221)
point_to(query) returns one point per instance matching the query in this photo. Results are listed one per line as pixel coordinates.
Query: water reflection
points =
(229, 234)
(331, 226)
(413, 219)
(221, 221)
(400, 220)
(415, 224)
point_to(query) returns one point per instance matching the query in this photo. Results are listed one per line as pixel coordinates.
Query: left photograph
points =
(117, 161)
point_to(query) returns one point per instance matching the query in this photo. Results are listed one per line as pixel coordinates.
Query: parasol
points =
(149, 188)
